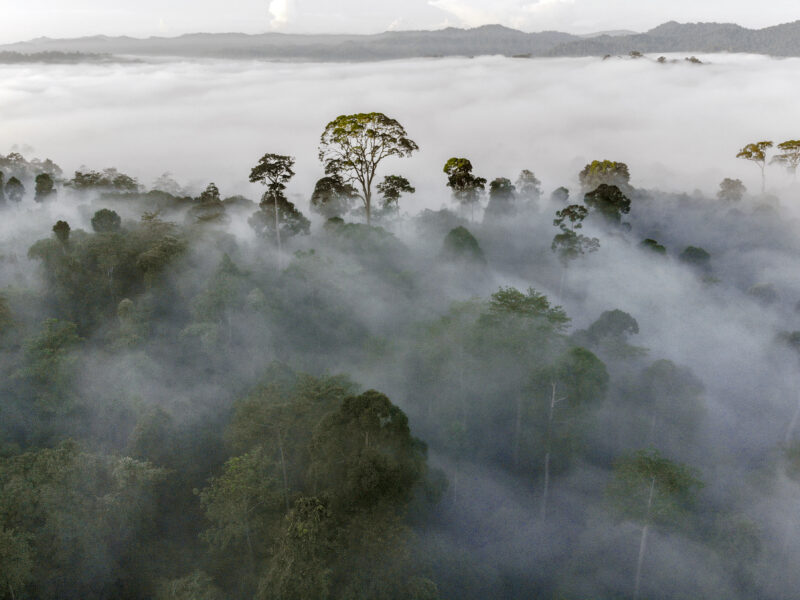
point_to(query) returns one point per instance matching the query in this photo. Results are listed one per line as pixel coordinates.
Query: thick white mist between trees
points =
(678, 126)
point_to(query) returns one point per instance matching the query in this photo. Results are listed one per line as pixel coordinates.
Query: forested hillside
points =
(581, 393)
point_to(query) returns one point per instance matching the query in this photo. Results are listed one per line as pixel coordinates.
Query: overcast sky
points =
(25, 19)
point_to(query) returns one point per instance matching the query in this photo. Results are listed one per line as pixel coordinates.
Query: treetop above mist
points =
(779, 40)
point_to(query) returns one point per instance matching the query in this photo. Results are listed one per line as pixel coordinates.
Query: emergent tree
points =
(354, 145)
(757, 152)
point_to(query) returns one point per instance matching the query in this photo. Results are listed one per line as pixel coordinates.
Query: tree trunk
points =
(763, 181)
(368, 206)
(643, 541)
(547, 447)
(283, 468)
(278, 234)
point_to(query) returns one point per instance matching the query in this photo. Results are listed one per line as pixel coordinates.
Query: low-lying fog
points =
(678, 126)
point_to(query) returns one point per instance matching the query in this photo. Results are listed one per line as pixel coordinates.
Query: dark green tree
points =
(502, 195)
(652, 491)
(528, 186)
(391, 189)
(62, 229)
(45, 187)
(608, 201)
(560, 195)
(466, 187)
(607, 172)
(106, 221)
(15, 191)
(569, 244)
(333, 197)
(731, 190)
(277, 215)
(461, 246)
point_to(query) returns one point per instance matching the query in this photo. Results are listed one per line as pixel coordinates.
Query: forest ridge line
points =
(778, 40)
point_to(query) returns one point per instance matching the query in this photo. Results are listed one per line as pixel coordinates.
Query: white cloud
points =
(281, 12)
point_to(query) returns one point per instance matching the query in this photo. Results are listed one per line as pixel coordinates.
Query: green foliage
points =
(106, 221)
(466, 187)
(48, 369)
(697, 257)
(502, 194)
(391, 189)
(461, 246)
(731, 190)
(569, 244)
(605, 172)
(45, 187)
(653, 246)
(560, 195)
(277, 217)
(301, 568)
(6, 317)
(244, 504)
(79, 513)
(62, 230)
(209, 207)
(15, 165)
(363, 454)
(609, 201)
(333, 197)
(196, 586)
(108, 179)
(16, 562)
(353, 146)
(648, 488)
(528, 186)
(510, 302)
(789, 156)
(757, 153)
(14, 190)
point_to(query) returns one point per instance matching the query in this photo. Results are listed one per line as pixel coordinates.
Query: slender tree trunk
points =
(368, 206)
(283, 468)
(547, 450)
(643, 541)
(278, 234)
(11, 589)
(763, 180)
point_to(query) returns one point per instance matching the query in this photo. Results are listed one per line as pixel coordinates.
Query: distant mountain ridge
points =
(780, 40)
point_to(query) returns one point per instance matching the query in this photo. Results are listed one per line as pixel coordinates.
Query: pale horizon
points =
(148, 18)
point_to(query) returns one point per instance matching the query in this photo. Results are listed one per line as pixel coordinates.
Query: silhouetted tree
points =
(789, 156)
(467, 188)
(15, 191)
(333, 197)
(731, 190)
(609, 201)
(45, 187)
(106, 221)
